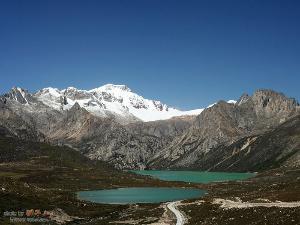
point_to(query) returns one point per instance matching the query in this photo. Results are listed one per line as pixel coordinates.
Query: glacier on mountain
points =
(105, 101)
(110, 99)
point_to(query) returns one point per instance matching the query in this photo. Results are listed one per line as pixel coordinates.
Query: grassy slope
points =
(274, 185)
(40, 176)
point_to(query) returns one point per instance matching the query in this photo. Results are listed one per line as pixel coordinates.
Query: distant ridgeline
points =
(113, 124)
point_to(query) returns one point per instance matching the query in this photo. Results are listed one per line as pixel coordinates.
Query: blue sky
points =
(186, 53)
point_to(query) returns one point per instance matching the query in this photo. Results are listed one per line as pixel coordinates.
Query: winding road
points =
(179, 216)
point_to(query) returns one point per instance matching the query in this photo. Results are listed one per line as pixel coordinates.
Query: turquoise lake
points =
(157, 195)
(193, 176)
(139, 195)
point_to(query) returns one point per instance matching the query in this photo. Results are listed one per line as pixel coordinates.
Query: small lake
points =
(158, 195)
(193, 176)
(139, 195)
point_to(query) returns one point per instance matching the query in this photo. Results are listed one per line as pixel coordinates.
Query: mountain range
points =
(114, 124)
(110, 100)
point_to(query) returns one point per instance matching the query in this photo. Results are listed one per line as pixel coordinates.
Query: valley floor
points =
(49, 178)
(271, 198)
(242, 202)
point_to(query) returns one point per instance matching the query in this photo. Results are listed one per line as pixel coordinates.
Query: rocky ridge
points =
(180, 142)
(223, 124)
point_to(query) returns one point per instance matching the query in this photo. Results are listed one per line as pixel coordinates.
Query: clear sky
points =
(186, 53)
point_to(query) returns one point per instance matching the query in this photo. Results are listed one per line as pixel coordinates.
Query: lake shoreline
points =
(140, 195)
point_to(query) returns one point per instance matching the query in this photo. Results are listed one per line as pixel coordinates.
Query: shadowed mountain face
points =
(278, 147)
(201, 141)
(223, 124)
(12, 124)
(123, 146)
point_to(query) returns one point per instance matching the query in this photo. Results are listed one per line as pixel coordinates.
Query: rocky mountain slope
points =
(105, 139)
(68, 117)
(277, 147)
(223, 124)
(100, 137)
(14, 125)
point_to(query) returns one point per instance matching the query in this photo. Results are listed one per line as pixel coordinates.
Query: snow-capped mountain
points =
(19, 95)
(110, 99)
(105, 101)
(61, 117)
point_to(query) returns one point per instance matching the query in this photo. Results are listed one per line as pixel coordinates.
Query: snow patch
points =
(111, 99)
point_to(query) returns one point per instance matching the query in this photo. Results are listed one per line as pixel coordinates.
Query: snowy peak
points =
(112, 87)
(232, 101)
(51, 97)
(20, 95)
(108, 100)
